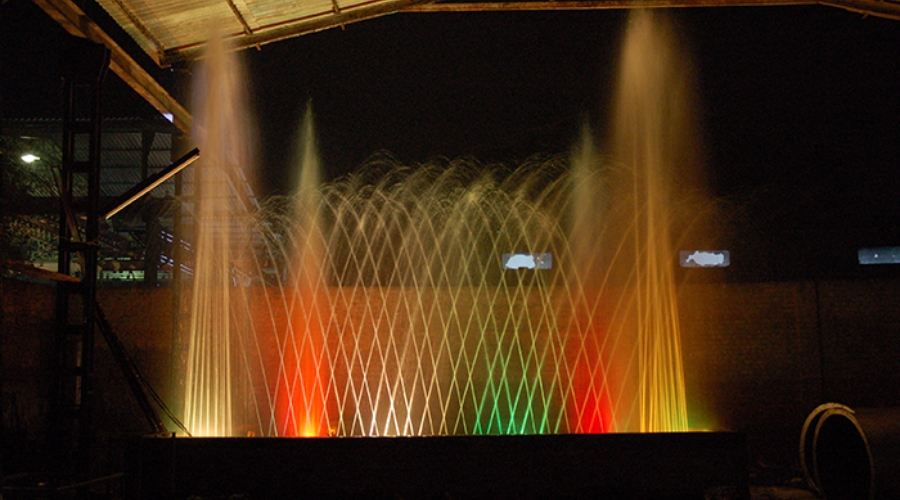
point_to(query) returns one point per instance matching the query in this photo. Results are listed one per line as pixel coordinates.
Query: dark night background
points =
(799, 106)
(799, 109)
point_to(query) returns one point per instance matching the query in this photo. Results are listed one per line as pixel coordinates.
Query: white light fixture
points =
(528, 260)
(878, 255)
(30, 158)
(704, 258)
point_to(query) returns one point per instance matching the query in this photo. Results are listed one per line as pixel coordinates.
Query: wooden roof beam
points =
(879, 8)
(289, 29)
(889, 9)
(531, 5)
(77, 23)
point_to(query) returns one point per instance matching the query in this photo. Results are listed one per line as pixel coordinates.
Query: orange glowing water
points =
(220, 236)
(653, 142)
(304, 379)
(389, 313)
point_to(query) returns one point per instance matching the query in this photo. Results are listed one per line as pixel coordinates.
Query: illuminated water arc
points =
(436, 350)
(386, 310)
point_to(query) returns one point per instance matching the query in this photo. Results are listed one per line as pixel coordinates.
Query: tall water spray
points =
(305, 375)
(221, 133)
(653, 145)
(453, 297)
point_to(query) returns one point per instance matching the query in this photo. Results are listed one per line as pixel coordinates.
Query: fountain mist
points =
(222, 135)
(386, 308)
(303, 387)
(652, 141)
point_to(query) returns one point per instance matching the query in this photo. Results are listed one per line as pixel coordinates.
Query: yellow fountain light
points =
(30, 158)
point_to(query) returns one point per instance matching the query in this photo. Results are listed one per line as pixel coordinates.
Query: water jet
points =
(389, 311)
(384, 306)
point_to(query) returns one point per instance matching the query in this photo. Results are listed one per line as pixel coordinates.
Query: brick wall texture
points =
(758, 356)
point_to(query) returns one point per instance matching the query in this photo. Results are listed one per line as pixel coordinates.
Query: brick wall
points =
(26, 355)
(861, 342)
(758, 356)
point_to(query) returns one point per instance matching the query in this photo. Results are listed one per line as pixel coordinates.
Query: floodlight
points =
(704, 258)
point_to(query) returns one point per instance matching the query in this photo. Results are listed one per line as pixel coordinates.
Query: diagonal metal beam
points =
(139, 26)
(148, 184)
(77, 23)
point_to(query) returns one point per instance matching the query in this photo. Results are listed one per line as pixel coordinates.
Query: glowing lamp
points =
(705, 258)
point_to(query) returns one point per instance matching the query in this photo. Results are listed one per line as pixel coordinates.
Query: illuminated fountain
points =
(209, 388)
(451, 298)
(653, 143)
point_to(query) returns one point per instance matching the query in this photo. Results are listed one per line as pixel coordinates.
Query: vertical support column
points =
(85, 68)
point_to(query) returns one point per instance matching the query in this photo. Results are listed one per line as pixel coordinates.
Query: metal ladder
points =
(85, 67)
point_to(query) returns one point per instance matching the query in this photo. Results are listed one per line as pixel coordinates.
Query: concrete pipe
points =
(852, 454)
(806, 443)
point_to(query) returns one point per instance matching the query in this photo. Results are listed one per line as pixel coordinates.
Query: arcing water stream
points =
(391, 306)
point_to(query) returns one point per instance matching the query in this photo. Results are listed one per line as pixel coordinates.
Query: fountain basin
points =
(651, 465)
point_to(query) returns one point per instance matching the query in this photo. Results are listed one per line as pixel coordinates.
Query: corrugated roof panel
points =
(351, 4)
(121, 158)
(159, 25)
(245, 12)
(193, 27)
(131, 23)
(184, 22)
(120, 140)
(160, 159)
(162, 141)
(127, 176)
(270, 12)
(174, 29)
